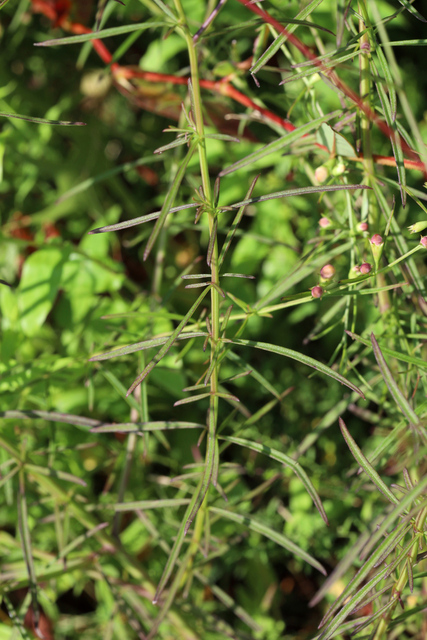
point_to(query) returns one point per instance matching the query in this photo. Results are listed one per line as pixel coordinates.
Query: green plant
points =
(198, 557)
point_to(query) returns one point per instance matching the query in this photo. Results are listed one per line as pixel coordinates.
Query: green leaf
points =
(278, 144)
(303, 191)
(278, 538)
(140, 220)
(281, 39)
(39, 286)
(275, 454)
(300, 357)
(169, 199)
(366, 465)
(63, 123)
(104, 33)
(409, 7)
(168, 344)
(398, 396)
(146, 344)
(403, 357)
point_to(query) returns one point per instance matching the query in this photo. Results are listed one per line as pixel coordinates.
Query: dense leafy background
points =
(72, 295)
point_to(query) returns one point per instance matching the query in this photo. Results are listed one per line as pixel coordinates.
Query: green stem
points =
(208, 194)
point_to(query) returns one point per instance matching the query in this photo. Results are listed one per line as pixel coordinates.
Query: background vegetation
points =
(231, 435)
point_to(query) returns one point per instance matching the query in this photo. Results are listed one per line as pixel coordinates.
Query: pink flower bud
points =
(363, 226)
(354, 271)
(321, 174)
(327, 272)
(423, 241)
(324, 222)
(377, 240)
(365, 268)
(317, 292)
(377, 245)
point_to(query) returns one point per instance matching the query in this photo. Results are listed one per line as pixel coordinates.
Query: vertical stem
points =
(208, 194)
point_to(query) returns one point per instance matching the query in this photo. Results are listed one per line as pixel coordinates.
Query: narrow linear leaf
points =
(396, 393)
(278, 538)
(140, 220)
(104, 33)
(63, 123)
(411, 9)
(54, 473)
(143, 427)
(303, 191)
(277, 145)
(170, 197)
(141, 346)
(300, 357)
(163, 351)
(275, 454)
(403, 357)
(76, 542)
(362, 593)
(232, 231)
(144, 504)
(24, 532)
(281, 39)
(365, 464)
(209, 465)
(174, 553)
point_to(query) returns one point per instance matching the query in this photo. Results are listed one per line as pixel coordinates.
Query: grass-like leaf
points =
(281, 39)
(146, 344)
(275, 454)
(303, 191)
(168, 344)
(143, 427)
(362, 593)
(140, 220)
(169, 199)
(366, 465)
(411, 9)
(403, 357)
(391, 383)
(300, 357)
(54, 473)
(104, 33)
(278, 144)
(233, 228)
(26, 546)
(63, 123)
(278, 538)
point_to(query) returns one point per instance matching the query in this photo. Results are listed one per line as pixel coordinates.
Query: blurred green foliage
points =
(68, 295)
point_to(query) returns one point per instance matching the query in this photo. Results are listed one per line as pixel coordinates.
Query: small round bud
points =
(365, 268)
(321, 174)
(354, 271)
(363, 226)
(418, 226)
(377, 240)
(327, 272)
(423, 241)
(339, 169)
(317, 292)
(324, 222)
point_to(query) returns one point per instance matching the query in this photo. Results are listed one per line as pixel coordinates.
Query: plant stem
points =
(211, 212)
